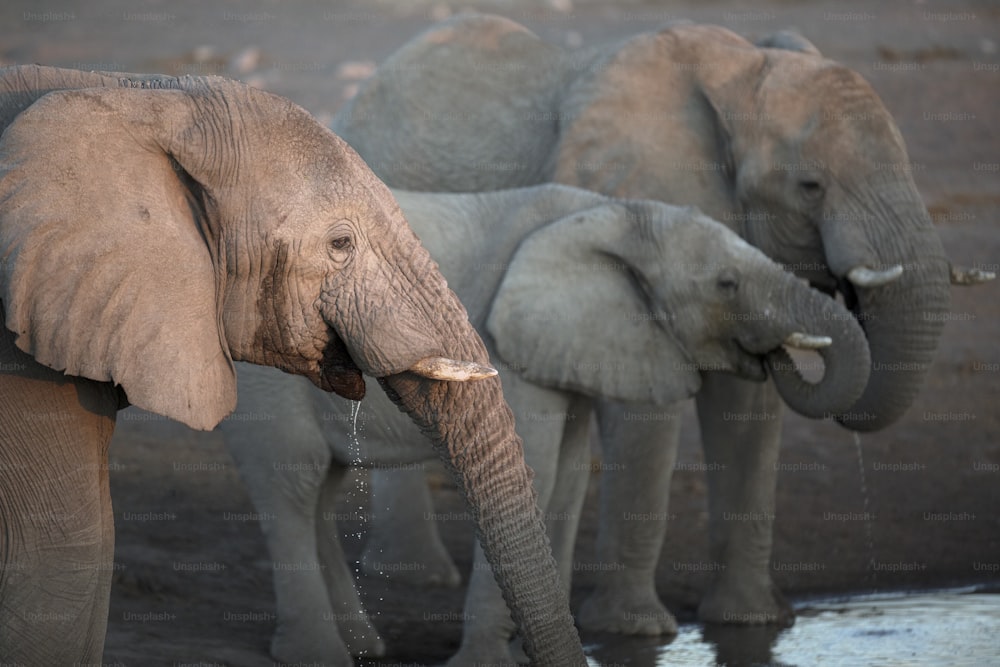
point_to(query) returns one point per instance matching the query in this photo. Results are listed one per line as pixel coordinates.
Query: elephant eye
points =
(728, 282)
(341, 243)
(811, 190)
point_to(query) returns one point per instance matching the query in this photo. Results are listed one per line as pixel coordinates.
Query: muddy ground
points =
(933, 479)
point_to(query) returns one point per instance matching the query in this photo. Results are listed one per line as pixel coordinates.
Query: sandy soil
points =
(192, 580)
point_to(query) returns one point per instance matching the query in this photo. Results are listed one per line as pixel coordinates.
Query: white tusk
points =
(442, 368)
(803, 341)
(962, 276)
(862, 276)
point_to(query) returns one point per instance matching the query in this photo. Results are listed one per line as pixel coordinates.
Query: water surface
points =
(959, 627)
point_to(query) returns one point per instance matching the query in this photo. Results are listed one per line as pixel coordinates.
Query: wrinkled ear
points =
(788, 40)
(571, 313)
(724, 69)
(729, 68)
(106, 272)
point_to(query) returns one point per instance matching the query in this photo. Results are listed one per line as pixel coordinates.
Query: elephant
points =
(153, 231)
(793, 151)
(578, 296)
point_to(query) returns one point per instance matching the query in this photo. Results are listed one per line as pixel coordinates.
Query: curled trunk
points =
(903, 323)
(846, 359)
(903, 319)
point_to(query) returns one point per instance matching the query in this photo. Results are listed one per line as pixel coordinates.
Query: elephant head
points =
(633, 299)
(168, 238)
(797, 154)
(154, 229)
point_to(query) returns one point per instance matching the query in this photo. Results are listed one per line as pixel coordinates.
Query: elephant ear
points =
(572, 313)
(106, 272)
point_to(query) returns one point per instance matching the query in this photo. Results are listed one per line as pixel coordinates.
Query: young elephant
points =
(153, 230)
(579, 296)
(794, 152)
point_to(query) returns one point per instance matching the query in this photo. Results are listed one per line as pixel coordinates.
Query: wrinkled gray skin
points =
(153, 230)
(794, 152)
(578, 296)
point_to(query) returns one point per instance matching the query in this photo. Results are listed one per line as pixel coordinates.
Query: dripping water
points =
(360, 487)
(360, 490)
(867, 514)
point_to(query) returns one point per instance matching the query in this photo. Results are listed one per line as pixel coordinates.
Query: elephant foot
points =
(744, 601)
(493, 653)
(627, 611)
(423, 562)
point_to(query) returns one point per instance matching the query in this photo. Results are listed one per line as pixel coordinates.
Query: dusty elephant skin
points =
(579, 297)
(218, 223)
(793, 151)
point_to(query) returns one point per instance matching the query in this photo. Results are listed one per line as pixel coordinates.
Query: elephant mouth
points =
(843, 288)
(747, 364)
(339, 373)
(850, 296)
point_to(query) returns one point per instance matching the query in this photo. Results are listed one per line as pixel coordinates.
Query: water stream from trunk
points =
(868, 519)
(359, 490)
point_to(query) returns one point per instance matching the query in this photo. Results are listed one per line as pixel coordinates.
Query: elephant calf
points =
(578, 296)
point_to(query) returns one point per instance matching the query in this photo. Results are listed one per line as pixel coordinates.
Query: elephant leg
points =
(284, 469)
(102, 601)
(741, 434)
(639, 444)
(402, 529)
(562, 515)
(356, 628)
(541, 416)
(57, 540)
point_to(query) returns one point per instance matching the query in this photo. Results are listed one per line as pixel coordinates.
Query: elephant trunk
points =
(472, 430)
(846, 360)
(902, 318)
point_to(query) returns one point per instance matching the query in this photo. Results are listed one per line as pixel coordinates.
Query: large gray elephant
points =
(794, 152)
(578, 296)
(154, 230)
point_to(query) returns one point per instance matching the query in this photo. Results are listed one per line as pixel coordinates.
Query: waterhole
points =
(955, 627)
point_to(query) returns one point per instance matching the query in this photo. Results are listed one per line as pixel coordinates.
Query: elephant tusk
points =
(965, 277)
(803, 341)
(442, 368)
(862, 276)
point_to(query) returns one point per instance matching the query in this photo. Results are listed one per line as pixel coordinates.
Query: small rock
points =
(202, 54)
(245, 61)
(564, 6)
(355, 70)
